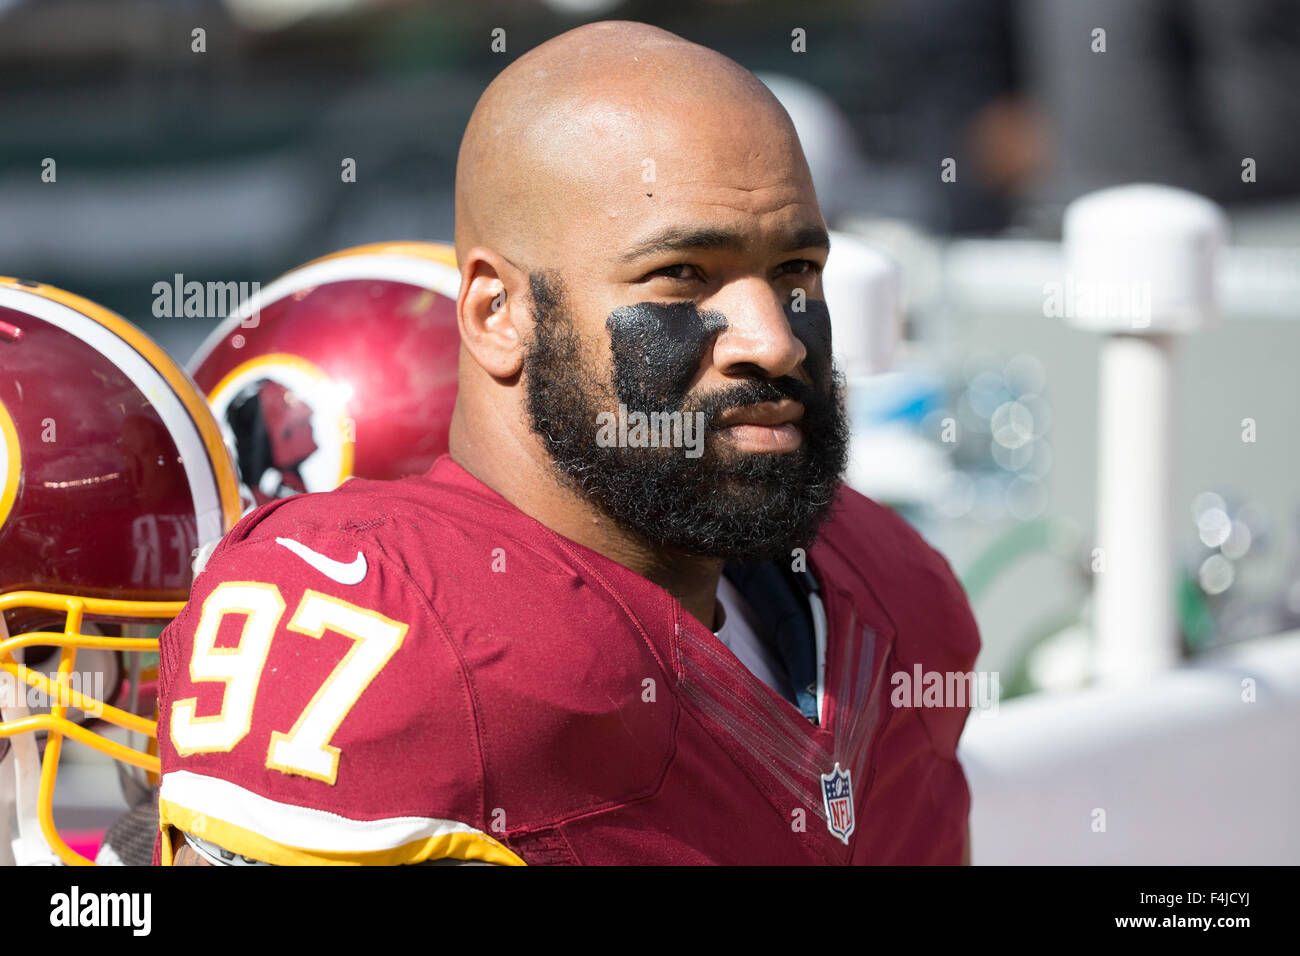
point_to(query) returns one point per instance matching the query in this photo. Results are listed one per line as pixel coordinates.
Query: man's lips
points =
(771, 414)
(766, 427)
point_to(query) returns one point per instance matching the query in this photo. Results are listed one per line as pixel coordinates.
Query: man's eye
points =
(801, 267)
(682, 271)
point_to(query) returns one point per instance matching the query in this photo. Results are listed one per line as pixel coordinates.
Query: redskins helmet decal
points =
(112, 475)
(344, 366)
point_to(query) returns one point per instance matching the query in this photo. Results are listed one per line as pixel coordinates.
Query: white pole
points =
(863, 289)
(1141, 266)
(1136, 631)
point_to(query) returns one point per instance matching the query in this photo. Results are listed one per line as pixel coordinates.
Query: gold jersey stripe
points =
(243, 842)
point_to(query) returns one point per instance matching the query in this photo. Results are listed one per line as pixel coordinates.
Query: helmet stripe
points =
(424, 272)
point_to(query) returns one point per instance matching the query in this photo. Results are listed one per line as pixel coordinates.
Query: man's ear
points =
(492, 312)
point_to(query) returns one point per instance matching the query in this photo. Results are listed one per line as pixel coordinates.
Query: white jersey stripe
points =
(301, 827)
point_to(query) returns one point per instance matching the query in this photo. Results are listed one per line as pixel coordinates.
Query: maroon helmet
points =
(112, 475)
(344, 366)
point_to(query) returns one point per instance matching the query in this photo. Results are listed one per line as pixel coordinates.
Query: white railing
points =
(1180, 769)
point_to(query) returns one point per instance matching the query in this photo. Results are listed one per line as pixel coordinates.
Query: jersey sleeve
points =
(954, 648)
(313, 711)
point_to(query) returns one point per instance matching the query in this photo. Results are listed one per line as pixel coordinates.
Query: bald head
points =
(591, 121)
(636, 229)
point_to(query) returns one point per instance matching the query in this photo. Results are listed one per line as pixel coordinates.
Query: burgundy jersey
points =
(402, 671)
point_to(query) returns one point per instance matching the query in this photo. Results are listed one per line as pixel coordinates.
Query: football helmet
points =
(113, 474)
(344, 366)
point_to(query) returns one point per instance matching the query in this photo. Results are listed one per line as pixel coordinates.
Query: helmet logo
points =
(287, 426)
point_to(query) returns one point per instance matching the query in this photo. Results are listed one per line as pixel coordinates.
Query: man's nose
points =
(758, 334)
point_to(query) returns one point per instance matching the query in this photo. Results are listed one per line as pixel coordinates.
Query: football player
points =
(633, 616)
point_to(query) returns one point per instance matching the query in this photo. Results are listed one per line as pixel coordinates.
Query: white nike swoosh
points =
(354, 572)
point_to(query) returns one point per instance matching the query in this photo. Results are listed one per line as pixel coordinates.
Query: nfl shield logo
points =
(837, 791)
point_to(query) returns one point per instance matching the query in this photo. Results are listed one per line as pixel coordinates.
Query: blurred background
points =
(224, 165)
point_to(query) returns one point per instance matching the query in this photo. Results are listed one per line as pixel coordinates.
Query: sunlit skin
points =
(550, 177)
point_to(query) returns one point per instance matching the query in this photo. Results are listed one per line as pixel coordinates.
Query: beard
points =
(736, 506)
